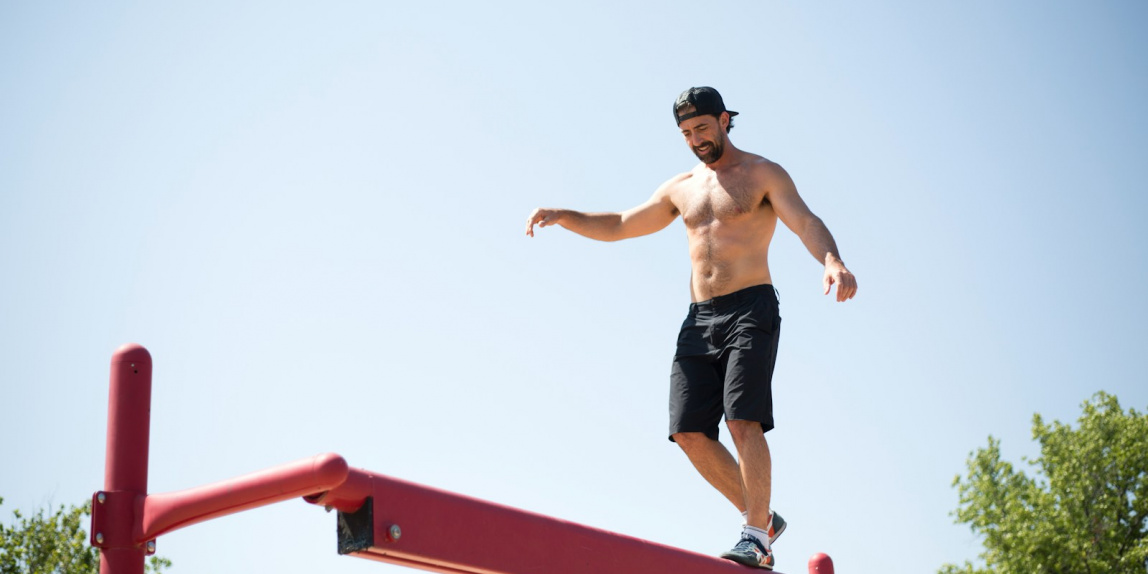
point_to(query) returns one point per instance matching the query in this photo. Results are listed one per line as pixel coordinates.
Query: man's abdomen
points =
(724, 265)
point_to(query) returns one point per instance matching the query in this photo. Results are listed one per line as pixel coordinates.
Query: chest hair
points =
(711, 200)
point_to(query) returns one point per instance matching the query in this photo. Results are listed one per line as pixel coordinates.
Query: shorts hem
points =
(712, 435)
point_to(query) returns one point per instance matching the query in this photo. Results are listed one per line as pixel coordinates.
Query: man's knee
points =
(745, 431)
(690, 440)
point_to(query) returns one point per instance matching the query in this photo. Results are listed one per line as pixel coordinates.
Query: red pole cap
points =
(131, 352)
(820, 563)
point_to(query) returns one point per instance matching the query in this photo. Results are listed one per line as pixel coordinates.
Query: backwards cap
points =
(705, 101)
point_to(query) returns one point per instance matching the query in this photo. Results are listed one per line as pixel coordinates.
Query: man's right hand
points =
(543, 218)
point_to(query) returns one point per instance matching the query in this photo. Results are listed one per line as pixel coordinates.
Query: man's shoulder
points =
(761, 164)
(764, 170)
(676, 182)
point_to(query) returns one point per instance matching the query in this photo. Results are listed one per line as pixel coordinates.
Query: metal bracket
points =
(356, 530)
(113, 513)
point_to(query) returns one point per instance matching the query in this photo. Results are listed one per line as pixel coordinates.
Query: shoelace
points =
(747, 539)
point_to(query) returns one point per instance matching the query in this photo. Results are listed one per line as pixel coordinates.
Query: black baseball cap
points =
(705, 101)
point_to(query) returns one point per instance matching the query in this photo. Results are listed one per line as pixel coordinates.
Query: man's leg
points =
(716, 465)
(755, 467)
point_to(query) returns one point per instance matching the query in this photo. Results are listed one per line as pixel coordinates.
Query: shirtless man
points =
(730, 204)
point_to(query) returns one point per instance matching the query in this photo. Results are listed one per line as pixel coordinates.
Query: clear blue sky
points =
(312, 215)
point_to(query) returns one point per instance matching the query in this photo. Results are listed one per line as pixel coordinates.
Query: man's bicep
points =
(653, 215)
(786, 202)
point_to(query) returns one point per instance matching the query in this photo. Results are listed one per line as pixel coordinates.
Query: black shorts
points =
(724, 362)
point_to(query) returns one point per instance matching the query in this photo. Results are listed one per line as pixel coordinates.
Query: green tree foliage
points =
(1084, 511)
(54, 544)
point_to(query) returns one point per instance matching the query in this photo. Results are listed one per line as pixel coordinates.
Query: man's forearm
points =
(819, 242)
(600, 226)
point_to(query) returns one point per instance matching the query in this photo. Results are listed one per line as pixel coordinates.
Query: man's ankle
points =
(762, 524)
(758, 534)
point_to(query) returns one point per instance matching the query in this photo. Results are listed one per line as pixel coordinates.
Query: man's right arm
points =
(653, 215)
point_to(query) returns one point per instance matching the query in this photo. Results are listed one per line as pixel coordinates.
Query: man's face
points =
(705, 136)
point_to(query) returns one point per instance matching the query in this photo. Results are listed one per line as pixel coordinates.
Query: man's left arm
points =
(793, 212)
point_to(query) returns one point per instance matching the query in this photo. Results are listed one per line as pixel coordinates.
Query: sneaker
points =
(776, 526)
(750, 552)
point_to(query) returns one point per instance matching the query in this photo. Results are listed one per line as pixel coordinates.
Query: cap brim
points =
(695, 114)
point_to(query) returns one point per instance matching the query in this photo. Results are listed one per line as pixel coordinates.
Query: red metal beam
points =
(439, 531)
(380, 518)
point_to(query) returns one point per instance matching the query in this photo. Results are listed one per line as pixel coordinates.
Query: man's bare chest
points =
(706, 200)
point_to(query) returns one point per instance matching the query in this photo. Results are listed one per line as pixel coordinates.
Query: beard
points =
(709, 152)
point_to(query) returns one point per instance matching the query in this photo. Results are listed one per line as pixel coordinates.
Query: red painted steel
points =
(163, 513)
(348, 496)
(125, 518)
(436, 530)
(125, 465)
(445, 532)
(820, 564)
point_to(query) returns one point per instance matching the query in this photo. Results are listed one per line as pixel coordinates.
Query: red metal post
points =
(126, 519)
(125, 470)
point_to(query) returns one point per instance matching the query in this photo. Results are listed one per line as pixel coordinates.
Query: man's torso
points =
(730, 223)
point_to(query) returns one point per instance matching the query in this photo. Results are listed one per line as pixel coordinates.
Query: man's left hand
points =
(837, 274)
